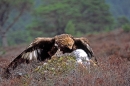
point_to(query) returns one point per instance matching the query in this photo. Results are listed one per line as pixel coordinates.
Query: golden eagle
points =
(44, 48)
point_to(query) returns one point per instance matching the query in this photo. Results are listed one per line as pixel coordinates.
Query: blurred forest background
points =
(23, 20)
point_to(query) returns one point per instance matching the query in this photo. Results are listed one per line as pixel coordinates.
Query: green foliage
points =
(70, 28)
(54, 16)
(18, 37)
(126, 27)
(98, 15)
(122, 21)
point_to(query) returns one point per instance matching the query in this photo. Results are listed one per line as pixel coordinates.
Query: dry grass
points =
(113, 54)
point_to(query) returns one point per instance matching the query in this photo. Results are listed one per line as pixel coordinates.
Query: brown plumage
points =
(44, 48)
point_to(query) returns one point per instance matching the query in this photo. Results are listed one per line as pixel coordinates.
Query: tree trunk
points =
(4, 40)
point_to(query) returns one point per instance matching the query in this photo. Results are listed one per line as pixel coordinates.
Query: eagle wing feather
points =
(82, 43)
(40, 49)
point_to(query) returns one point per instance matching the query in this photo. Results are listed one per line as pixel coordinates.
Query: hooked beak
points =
(70, 47)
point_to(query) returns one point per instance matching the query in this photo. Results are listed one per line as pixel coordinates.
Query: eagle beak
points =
(70, 47)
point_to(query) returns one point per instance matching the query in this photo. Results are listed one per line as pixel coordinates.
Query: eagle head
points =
(65, 42)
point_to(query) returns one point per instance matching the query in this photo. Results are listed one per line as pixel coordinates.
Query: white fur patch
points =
(82, 57)
(79, 61)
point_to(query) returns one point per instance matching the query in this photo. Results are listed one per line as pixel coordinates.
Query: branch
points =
(15, 19)
(4, 13)
(6, 17)
(2, 31)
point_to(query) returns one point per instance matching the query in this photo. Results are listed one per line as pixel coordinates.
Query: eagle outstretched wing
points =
(40, 49)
